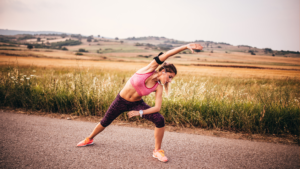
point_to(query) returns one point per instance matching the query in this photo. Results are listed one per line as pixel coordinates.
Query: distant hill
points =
(16, 32)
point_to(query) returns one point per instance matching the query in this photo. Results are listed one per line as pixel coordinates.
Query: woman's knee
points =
(159, 121)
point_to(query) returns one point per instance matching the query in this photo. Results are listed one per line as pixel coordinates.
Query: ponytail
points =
(168, 67)
(166, 86)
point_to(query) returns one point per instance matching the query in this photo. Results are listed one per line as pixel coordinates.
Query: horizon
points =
(262, 24)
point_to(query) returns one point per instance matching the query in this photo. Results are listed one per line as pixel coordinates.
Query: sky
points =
(257, 23)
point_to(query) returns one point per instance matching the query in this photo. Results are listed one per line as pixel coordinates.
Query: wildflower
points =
(27, 78)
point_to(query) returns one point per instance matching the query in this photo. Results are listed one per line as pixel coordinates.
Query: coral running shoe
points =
(160, 155)
(85, 142)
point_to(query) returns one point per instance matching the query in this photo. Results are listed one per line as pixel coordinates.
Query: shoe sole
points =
(159, 159)
(86, 145)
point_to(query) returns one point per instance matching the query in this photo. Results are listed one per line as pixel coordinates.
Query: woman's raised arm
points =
(174, 51)
(153, 65)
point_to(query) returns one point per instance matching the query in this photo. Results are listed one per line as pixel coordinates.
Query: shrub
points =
(64, 48)
(64, 35)
(65, 43)
(78, 53)
(165, 46)
(139, 44)
(252, 52)
(89, 39)
(26, 37)
(29, 46)
(82, 50)
(268, 50)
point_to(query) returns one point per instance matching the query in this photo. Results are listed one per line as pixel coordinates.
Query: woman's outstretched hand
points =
(133, 113)
(192, 46)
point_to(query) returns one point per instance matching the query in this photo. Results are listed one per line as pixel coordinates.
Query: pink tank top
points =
(138, 82)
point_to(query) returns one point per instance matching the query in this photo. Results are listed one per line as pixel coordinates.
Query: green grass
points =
(252, 105)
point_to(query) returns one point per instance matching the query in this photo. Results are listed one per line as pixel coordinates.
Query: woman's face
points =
(166, 77)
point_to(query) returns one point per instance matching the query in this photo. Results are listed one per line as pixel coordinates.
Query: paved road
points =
(29, 141)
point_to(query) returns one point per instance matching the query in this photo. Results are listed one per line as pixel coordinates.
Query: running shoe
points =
(160, 155)
(85, 142)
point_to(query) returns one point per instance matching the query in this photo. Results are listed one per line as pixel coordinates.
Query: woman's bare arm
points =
(153, 65)
(156, 108)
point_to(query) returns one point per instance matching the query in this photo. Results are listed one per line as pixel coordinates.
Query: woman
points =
(143, 82)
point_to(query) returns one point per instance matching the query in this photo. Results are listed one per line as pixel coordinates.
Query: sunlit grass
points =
(254, 105)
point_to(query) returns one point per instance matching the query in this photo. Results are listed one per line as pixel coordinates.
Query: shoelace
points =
(86, 141)
(161, 153)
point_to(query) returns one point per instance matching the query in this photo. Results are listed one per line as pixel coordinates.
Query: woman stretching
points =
(142, 83)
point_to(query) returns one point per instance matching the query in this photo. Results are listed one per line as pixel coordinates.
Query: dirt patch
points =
(240, 66)
(183, 70)
(278, 139)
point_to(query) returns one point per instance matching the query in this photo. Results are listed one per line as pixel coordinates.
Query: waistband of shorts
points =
(129, 102)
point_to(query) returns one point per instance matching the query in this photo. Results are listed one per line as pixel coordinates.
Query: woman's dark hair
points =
(169, 67)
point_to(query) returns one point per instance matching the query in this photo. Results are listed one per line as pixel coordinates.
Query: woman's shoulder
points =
(149, 68)
(144, 70)
(159, 88)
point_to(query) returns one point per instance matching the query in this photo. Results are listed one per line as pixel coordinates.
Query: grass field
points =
(255, 105)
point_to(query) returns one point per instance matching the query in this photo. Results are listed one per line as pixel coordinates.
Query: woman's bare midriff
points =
(129, 93)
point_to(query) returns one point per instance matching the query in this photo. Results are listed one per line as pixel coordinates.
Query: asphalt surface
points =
(30, 141)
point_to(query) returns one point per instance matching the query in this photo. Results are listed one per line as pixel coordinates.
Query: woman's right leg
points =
(118, 106)
(96, 131)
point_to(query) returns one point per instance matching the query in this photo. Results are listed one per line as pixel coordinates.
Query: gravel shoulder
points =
(30, 141)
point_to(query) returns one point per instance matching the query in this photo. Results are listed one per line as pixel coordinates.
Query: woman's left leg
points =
(159, 122)
(159, 131)
(158, 135)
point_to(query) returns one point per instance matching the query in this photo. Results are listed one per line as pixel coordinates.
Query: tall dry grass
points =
(254, 105)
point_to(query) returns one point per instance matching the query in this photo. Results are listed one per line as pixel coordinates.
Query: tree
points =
(116, 38)
(89, 39)
(64, 48)
(82, 50)
(207, 44)
(121, 42)
(268, 50)
(98, 36)
(29, 46)
(252, 52)
(38, 39)
(63, 35)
